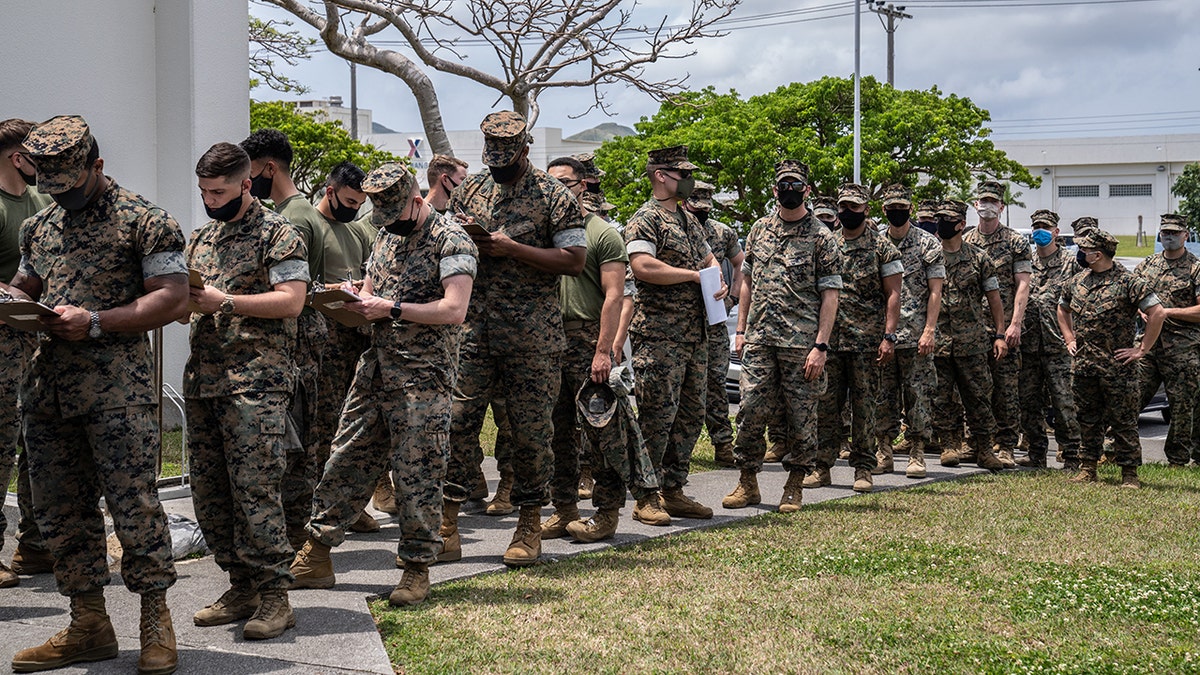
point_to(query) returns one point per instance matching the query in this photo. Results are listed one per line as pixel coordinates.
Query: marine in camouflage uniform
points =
(790, 282)
(88, 398)
(237, 386)
(1098, 314)
(723, 242)
(1045, 362)
(966, 339)
(1174, 275)
(513, 336)
(863, 339)
(1010, 255)
(397, 414)
(909, 380)
(667, 249)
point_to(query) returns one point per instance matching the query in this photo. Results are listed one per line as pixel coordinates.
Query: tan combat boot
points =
(603, 525)
(1129, 477)
(312, 566)
(451, 541)
(364, 523)
(793, 492)
(586, 483)
(8, 578)
(1087, 472)
(884, 462)
(744, 493)
(385, 495)
(556, 525)
(30, 561)
(1006, 458)
(526, 545)
(986, 459)
(649, 510)
(89, 637)
(273, 616)
(863, 481)
(680, 505)
(818, 478)
(500, 504)
(949, 456)
(413, 587)
(904, 447)
(237, 603)
(916, 460)
(159, 656)
(723, 455)
(844, 450)
(775, 453)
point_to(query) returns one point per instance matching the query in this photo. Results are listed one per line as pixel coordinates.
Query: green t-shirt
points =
(582, 297)
(13, 212)
(310, 224)
(347, 247)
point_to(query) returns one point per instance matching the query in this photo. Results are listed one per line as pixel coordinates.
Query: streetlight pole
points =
(893, 15)
(857, 92)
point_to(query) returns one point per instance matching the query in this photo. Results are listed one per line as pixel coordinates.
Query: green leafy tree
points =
(1187, 188)
(933, 142)
(319, 144)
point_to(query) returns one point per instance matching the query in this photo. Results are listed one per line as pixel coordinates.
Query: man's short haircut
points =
(346, 174)
(224, 160)
(269, 144)
(442, 165)
(13, 132)
(572, 163)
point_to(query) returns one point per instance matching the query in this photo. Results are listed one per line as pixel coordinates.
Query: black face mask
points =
(77, 197)
(226, 212)
(851, 220)
(260, 185)
(702, 216)
(505, 174)
(1081, 258)
(946, 229)
(897, 217)
(29, 178)
(402, 226)
(929, 226)
(791, 199)
(593, 188)
(341, 212)
(450, 188)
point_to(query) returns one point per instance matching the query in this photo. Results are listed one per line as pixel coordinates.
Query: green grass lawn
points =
(1019, 573)
(1127, 249)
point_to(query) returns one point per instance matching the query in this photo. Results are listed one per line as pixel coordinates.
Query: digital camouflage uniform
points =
(1175, 359)
(1104, 310)
(237, 387)
(1045, 362)
(1009, 252)
(89, 406)
(397, 414)
(907, 383)
(788, 266)
(723, 242)
(512, 336)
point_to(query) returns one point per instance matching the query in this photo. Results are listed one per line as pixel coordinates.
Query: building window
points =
(1131, 190)
(1065, 191)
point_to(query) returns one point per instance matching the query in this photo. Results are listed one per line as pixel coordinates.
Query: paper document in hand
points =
(24, 314)
(710, 284)
(332, 303)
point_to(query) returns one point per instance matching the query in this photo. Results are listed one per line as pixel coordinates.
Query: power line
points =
(964, 4)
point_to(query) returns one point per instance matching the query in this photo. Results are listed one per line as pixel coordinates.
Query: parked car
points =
(1160, 405)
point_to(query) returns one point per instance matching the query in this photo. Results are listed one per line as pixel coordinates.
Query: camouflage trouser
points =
(75, 461)
(576, 366)
(1179, 371)
(15, 349)
(716, 401)
(528, 383)
(1109, 403)
(853, 377)
(339, 359)
(238, 459)
(304, 461)
(906, 383)
(406, 431)
(670, 401)
(775, 392)
(619, 459)
(503, 451)
(972, 378)
(1041, 373)
(1006, 401)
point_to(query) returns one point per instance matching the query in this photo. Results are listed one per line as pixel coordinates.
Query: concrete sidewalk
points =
(335, 632)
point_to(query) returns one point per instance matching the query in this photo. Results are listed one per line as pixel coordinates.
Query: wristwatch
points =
(396, 311)
(890, 337)
(227, 304)
(999, 336)
(822, 346)
(94, 331)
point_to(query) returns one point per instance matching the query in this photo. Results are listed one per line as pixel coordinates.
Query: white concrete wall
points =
(158, 82)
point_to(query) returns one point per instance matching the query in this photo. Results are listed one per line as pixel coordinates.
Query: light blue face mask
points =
(1042, 237)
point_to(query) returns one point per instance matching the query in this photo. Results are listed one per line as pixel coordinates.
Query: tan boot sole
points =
(101, 653)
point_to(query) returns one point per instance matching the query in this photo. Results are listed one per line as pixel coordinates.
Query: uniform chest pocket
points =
(1179, 289)
(241, 274)
(521, 229)
(677, 250)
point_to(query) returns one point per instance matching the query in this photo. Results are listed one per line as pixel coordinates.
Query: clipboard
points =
(475, 230)
(194, 279)
(24, 314)
(331, 302)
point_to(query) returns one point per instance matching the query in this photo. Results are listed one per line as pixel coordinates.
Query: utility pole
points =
(353, 101)
(890, 16)
(857, 91)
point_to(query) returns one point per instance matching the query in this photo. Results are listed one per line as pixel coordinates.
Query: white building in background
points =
(1118, 179)
(332, 109)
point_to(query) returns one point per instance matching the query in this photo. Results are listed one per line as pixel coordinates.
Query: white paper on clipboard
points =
(710, 283)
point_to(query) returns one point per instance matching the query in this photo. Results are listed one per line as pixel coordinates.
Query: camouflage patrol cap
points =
(588, 160)
(791, 168)
(702, 196)
(597, 403)
(990, 189)
(853, 193)
(389, 186)
(674, 157)
(897, 195)
(927, 209)
(952, 208)
(1173, 221)
(824, 206)
(592, 202)
(1098, 239)
(1044, 216)
(504, 136)
(59, 147)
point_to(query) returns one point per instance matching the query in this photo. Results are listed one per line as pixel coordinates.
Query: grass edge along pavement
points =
(1013, 573)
